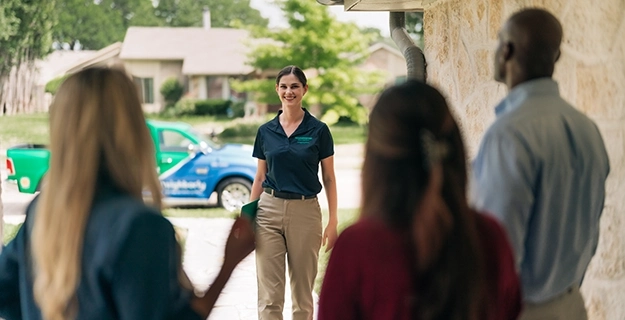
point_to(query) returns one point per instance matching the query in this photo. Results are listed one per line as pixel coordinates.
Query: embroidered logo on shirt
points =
(303, 140)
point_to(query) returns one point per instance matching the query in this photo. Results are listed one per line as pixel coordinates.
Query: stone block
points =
(564, 74)
(444, 79)
(478, 113)
(436, 32)
(591, 29)
(465, 73)
(496, 18)
(599, 90)
(557, 7)
(609, 260)
(483, 60)
(472, 15)
(604, 302)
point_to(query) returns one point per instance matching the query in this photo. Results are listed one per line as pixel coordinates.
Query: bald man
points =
(541, 170)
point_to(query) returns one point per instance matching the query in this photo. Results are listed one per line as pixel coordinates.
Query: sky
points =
(364, 19)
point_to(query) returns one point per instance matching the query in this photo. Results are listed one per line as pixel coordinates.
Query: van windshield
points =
(206, 138)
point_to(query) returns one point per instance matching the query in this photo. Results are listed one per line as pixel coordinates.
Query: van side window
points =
(173, 141)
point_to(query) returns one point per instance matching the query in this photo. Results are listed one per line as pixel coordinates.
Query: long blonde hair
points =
(96, 127)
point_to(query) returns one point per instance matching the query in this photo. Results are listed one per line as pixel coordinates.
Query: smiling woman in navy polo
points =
(289, 149)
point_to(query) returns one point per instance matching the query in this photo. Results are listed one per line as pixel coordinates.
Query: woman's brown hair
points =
(395, 176)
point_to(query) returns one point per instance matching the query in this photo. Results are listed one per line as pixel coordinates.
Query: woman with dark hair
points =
(418, 251)
(289, 149)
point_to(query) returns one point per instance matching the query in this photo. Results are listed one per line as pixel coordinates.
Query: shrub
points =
(240, 130)
(181, 108)
(172, 90)
(53, 85)
(212, 107)
(238, 109)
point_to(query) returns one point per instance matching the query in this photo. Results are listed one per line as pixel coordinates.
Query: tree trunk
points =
(19, 88)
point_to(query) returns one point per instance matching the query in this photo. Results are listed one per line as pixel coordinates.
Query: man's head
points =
(529, 46)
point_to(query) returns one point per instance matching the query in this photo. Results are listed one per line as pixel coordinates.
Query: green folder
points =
(248, 210)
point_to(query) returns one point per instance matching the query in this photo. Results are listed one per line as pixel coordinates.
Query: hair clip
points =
(433, 151)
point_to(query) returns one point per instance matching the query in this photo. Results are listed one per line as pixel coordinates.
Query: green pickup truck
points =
(191, 167)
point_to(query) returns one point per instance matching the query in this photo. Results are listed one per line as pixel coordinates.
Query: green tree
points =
(224, 13)
(92, 25)
(25, 37)
(9, 25)
(414, 26)
(98, 24)
(317, 42)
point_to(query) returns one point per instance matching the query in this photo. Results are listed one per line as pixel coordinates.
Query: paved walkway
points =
(206, 239)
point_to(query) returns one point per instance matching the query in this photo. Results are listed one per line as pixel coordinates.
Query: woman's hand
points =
(240, 242)
(329, 235)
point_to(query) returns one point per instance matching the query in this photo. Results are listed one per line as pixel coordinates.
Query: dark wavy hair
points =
(292, 70)
(395, 178)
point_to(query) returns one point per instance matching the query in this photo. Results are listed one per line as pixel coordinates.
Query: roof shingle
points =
(214, 51)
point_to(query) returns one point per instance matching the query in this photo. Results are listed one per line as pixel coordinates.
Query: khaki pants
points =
(567, 306)
(291, 228)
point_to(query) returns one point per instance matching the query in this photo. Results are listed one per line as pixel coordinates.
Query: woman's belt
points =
(287, 195)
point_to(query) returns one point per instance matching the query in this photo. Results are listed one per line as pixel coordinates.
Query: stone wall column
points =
(460, 38)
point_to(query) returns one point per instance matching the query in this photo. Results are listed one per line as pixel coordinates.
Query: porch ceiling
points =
(386, 5)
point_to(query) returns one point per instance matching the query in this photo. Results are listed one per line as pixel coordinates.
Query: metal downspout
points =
(415, 60)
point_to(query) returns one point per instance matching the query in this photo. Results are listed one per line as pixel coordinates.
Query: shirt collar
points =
(275, 122)
(521, 92)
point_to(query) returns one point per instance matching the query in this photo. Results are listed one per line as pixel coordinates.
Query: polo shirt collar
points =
(275, 122)
(520, 93)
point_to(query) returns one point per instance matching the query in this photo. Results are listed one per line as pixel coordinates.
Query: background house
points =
(105, 57)
(55, 65)
(202, 59)
(386, 58)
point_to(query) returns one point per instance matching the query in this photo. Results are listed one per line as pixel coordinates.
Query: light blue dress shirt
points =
(541, 170)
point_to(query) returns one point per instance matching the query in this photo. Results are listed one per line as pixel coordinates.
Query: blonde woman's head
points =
(97, 134)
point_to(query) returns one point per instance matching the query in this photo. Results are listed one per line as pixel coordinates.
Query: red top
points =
(369, 275)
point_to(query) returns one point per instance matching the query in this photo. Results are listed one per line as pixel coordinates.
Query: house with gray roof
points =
(202, 59)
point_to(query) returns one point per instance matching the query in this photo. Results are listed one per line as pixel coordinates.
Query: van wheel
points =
(233, 193)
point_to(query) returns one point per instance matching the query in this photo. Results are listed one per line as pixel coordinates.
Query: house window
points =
(215, 87)
(146, 88)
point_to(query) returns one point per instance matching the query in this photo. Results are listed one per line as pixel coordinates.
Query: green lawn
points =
(217, 212)
(24, 128)
(192, 120)
(348, 134)
(10, 230)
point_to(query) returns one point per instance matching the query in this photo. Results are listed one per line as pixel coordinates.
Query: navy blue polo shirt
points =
(293, 162)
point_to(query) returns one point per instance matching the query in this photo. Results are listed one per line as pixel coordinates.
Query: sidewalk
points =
(203, 257)
(206, 239)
